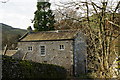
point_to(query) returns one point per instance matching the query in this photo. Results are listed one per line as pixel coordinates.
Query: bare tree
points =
(102, 30)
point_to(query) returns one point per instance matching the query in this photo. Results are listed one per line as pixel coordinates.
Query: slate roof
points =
(50, 35)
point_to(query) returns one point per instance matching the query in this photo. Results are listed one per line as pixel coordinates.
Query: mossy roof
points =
(50, 35)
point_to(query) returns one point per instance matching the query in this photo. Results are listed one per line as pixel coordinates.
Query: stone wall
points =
(80, 54)
(73, 57)
(53, 54)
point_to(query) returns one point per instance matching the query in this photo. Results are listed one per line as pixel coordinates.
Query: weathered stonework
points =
(80, 56)
(53, 54)
(73, 57)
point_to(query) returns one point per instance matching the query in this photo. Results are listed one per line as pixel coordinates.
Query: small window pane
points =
(62, 47)
(42, 50)
(29, 48)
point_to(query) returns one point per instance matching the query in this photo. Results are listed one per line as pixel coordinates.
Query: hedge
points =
(19, 69)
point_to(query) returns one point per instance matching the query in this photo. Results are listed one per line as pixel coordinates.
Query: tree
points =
(63, 20)
(44, 18)
(29, 29)
(101, 30)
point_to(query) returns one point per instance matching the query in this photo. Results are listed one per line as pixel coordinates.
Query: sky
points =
(18, 13)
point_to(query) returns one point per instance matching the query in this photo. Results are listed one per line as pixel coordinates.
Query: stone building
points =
(65, 48)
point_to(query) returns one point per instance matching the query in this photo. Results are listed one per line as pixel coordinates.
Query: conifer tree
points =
(44, 18)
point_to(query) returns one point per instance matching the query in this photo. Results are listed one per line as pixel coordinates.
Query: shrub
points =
(13, 68)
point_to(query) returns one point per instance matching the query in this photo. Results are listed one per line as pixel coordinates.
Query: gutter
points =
(45, 40)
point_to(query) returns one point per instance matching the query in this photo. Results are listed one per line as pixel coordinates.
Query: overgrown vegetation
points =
(99, 21)
(18, 69)
(10, 36)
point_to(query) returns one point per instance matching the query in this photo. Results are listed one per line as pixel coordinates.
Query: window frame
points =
(61, 47)
(44, 50)
(30, 48)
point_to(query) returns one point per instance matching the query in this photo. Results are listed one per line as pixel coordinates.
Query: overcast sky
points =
(18, 13)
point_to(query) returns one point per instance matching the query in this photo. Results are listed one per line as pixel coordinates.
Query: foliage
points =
(118, 62)
(13, 68)
(44, 18)
(100, 24)
(29, 28)
(10, 36)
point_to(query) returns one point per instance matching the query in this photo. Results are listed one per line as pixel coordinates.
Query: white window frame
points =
(44, 51)
(61, 47)
(30, 48)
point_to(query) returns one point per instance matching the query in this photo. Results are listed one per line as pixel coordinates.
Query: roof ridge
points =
(58, 30)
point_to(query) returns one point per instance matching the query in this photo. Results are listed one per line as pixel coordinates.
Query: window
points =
(42, 50)
(62, 47)
(30, 48)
